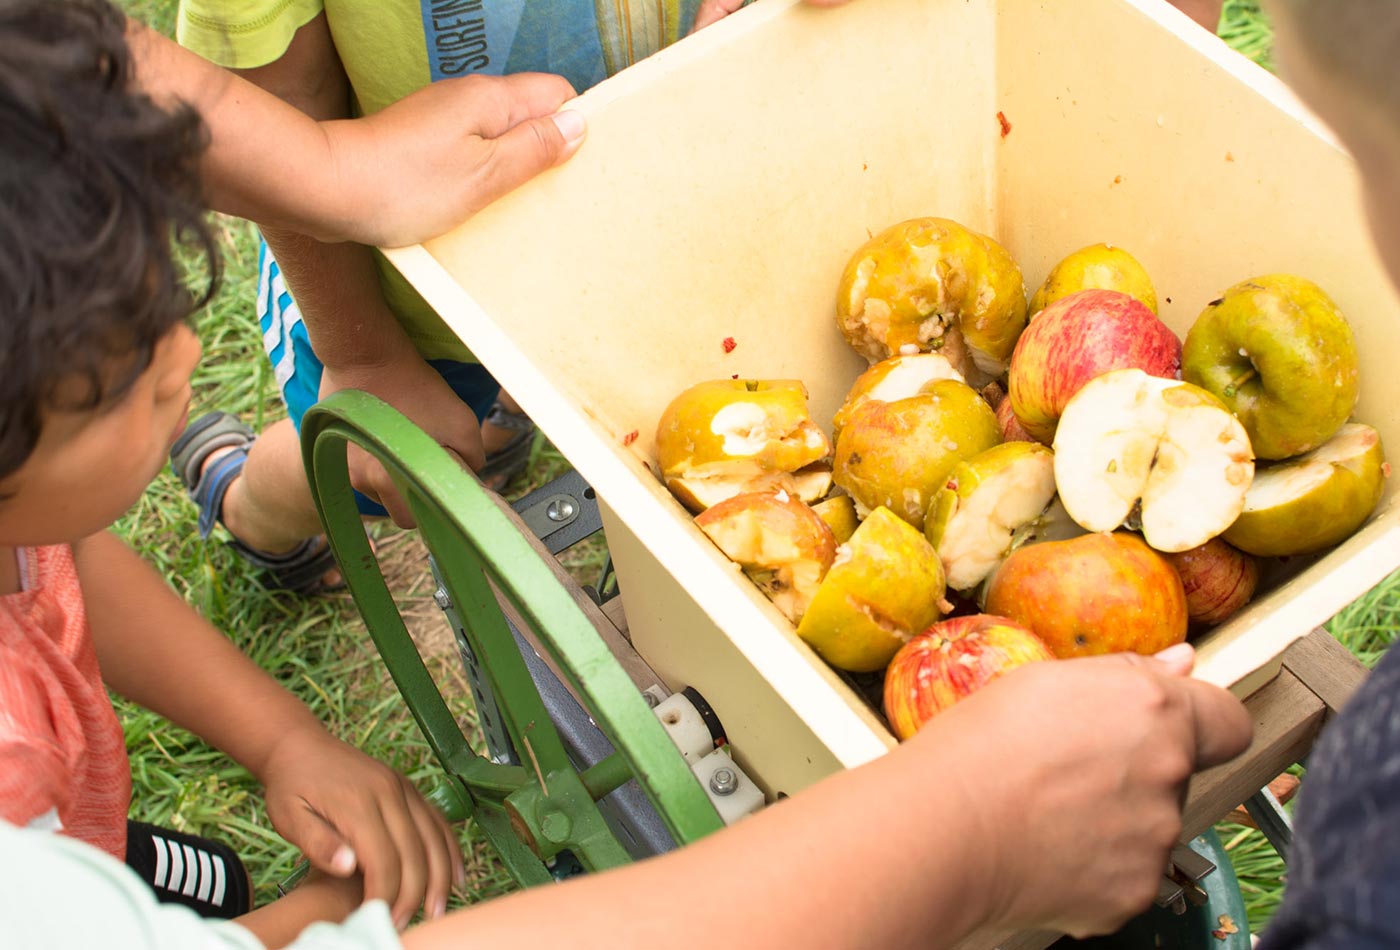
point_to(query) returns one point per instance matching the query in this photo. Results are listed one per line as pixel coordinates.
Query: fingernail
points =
(343, 861)
(570, 125)
(1177, 653)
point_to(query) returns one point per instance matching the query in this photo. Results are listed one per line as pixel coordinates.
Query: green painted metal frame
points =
(529, 812)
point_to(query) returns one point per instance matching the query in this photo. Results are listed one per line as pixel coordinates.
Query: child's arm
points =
(1048, 800)
(342, 808)
(409, 172)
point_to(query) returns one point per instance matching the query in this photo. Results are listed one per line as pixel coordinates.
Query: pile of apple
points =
(1056, 480)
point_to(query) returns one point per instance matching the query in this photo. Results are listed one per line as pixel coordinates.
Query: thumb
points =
(323, 846)
(1177, 660)
(527, 149)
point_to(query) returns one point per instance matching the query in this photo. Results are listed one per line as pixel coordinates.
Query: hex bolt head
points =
(723, 781)
(441, 598)
(560, 509)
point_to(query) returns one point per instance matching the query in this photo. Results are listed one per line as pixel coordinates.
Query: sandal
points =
(512, 458)
(299, 570)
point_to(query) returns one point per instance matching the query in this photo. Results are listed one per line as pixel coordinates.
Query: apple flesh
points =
(1095, 594)
(931, 284)
(1096, 267)
(1218, 579)
(1281, 356)
(724, 437)
(885, 585)
(1314, 501)
(897, 455)
(1163, 451)
(987, 502)
(781, 544)
(1076, 339)
(949, 662)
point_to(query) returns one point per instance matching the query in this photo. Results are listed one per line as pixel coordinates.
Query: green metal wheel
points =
(533, 811)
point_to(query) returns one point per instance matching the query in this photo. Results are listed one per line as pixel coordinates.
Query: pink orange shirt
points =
(63, 760)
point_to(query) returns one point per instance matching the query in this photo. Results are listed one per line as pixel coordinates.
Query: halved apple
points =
(723, 437)
(898, 377)
(932, 284)
(1129, 443)
(986, 503)
(781, 544)
(1315, 500)
(897, 454)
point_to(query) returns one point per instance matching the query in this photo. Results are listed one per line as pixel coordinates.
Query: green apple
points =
(931, 284)
(1096, 267)
(1282, 357)
(885, 586)
(1313, 501)
(897, 455)
(1167, 452)
(986, 503)
(839, 513)
(895, 378)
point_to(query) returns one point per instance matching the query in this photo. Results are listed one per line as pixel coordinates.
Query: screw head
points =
(723, 781)
(441, 598)
(560, 509)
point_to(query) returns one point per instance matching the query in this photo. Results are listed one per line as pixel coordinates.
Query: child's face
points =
(1368, 130)
(91, 466)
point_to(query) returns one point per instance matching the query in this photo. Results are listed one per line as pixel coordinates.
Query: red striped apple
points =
(949, 662)
(1080, 337)
(1218, 580)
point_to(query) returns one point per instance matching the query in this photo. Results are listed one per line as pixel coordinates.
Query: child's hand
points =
(1076, 801)
(347, 812)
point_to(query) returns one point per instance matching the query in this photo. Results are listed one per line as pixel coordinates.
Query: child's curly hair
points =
(98, 186)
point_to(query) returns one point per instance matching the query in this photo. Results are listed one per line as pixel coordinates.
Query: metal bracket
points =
(561, 513)
(1276, 824)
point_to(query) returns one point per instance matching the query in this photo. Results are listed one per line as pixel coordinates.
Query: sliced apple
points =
(779, 542)
(1315, 500)
(895, 378)
(986, 503)
(885, 585)
(726, 437)
(839, 513)
(1169, 452)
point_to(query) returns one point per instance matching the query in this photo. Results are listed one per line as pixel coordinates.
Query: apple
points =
(1096, 267)
(1218, 579)
(1098, 593)
(1282, 357)
(986, 503)
(895, 378)
(839, 513)
(885, 585)
(781, 544)
(931, 284)
(1011, 428)
(949, 662)
(897, 454)
(723, 437)
(1080, 337)
(1314, 501)
(1163, 451)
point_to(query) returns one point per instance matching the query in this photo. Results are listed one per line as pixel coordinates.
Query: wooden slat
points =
(1329, 669)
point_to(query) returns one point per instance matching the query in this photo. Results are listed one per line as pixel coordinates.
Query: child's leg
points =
(203, 875)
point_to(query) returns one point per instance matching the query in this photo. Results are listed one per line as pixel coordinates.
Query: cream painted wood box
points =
(725, 182)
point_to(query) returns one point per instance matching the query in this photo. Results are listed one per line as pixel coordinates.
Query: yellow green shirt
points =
(390, 48)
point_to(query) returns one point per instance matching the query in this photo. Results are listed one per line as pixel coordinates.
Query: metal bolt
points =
(556, 827)
(723, 782)
(560, 509)
(441, 598)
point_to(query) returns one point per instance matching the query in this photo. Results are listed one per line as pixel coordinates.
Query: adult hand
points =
(1076, 801)
(349, 813)
(415, 389)
(434, 158)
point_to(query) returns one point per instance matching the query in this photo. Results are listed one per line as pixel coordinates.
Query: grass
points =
(318, 647)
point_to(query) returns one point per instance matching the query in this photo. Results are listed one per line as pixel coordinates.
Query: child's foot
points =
(208, 458)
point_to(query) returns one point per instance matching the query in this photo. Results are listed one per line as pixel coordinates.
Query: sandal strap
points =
(213, 484)
(299, 570)
(502, 417)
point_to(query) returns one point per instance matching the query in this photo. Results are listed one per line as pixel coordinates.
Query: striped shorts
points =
(297, 369)
(200, 874)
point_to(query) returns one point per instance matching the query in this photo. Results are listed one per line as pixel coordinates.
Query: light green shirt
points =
(390, 48)
(57, 893)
